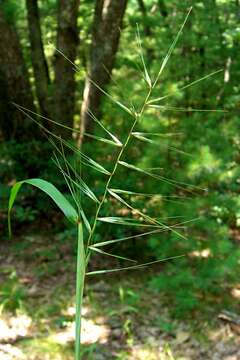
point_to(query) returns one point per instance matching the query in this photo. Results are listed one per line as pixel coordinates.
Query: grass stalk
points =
(79, 290)
(137, 117)
(73, 177)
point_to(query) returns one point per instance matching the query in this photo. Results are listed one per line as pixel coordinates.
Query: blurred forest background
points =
(50, 52)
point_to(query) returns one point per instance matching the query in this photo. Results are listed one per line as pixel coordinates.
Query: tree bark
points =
(14, 87)
(67, 43)
(107, 23)
(39, 62)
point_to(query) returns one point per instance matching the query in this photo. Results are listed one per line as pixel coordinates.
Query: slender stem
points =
(79, 290)
(136, 118)
(110, 179)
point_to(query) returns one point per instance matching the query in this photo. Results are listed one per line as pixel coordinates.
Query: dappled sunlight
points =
(107, 333)
(235, 292)
(162, 351)
(92, 330)
(14, 327)
(143, 353)
(10, 352)
(21, 327)
(205, 253)
(119, 186)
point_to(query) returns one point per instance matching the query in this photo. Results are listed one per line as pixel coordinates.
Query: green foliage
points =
(25, 214)
(199, 280)
(21, 159)
(51, 191)
(12, 10)
(17, 162)
(12, 294)
(129, 300)
(199, 149)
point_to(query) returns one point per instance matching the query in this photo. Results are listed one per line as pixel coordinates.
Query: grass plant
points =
(74, 211)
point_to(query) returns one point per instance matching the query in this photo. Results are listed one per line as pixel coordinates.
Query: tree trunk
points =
(107, 23)
(67, 42)
(39, 62)
(143, 9)
(147, 30)
(14, 87)
(162, 8)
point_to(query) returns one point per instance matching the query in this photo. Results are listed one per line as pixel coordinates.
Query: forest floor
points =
(122, 317)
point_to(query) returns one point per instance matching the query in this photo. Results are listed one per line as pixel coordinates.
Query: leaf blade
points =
(60, 200)
(146, 217)
(114, 138)
(134, 267)
(99, 251)
(146, 73)
(113, 241)
(177, 184)
(171, 48)
(117, 102)
(184, 87)
(123, 221)
(172, 108)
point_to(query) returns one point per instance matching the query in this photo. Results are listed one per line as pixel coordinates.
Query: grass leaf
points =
(51, 191)
(164, 135)
(113, 241)
(146, 74)
(177, 184)
(143, 137)
(184, 87)
(134, 267)
(117, 102)
(123, 221)
(85, 220)
(86, 160)
(172, 108)
(108, 254)
(114, 138)
(146, 217)
(171, 48)
(98, 138)
(161, 197)
(81, 185)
